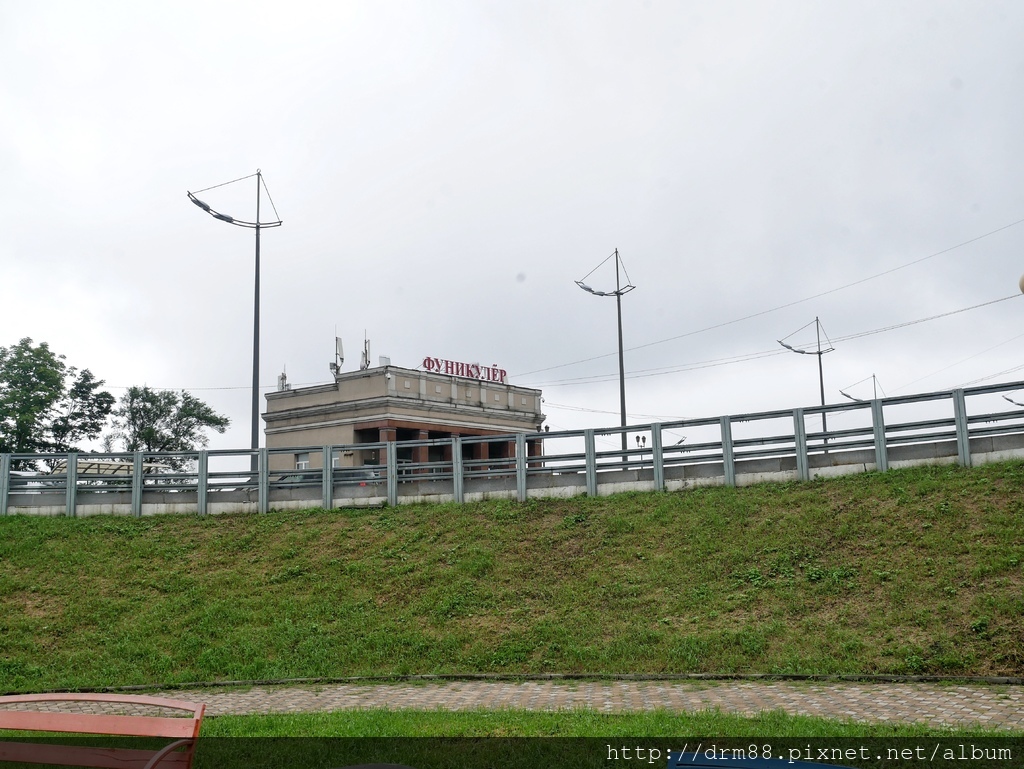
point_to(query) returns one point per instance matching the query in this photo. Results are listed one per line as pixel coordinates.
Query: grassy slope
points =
(915, 571)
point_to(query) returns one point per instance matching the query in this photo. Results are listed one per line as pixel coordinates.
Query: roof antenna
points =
(365, 362)
(339, 355)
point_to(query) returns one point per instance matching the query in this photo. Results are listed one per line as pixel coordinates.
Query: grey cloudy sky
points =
(446, 170)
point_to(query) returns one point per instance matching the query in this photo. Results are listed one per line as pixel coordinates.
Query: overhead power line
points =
(954, 365)
(674, 368)
(782, 306)
(678, 368)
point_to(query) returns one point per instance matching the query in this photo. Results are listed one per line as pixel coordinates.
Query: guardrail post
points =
(5, 481)
(803, 465)
(71, 487)
(136, 484)
(327, 479)
(263, 497)
(458, 480)
(521, 466)
(202, 474)
(878, 425)
(728, 465)
(591, 459)
(963, 438)
(392, 457)
(657, 457)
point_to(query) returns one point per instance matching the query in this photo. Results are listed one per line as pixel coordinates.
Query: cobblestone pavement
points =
(934, 704)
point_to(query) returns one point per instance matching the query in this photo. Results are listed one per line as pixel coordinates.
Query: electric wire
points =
(781, 306)
(991, 376)
(798, 331)
(923, 320)
(267, 190)
(225, 184)
(861, 381)
(598, 267)
(673, 369)
(625, 272)
(954, 365)
(678, 368)
(566, 407)
(821, 330)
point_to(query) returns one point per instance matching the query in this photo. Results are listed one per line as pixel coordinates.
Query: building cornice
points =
(447, 425)
(388, 403)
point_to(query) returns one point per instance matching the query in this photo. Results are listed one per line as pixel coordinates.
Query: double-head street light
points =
(256, 225)
(617, 293)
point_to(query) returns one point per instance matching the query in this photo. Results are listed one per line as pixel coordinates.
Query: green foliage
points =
(163, 420)
(46, 405)
(81, 413)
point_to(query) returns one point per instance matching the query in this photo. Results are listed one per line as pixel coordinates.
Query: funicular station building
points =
(389, 403)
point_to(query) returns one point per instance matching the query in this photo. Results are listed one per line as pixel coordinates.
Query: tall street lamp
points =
(257, 225)
(821, 375)
(617, 293)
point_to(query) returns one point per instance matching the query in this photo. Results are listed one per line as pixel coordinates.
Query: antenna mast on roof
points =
(339, 355)
(365, 362)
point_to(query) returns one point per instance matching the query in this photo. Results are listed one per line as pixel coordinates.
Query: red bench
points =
(107, 714)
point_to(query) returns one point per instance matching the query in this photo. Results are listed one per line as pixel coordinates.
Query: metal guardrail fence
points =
(731, 450)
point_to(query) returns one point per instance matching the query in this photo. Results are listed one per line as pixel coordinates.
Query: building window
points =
(335, 459)
(302, 461)
(497, 397)
(524, 401)
(437, 388)
(408, 384)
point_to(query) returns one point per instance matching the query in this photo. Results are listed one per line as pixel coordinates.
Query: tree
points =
(81, 413)
(162, 420)
(46, 405)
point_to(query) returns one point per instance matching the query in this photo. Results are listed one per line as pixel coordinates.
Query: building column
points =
(387, 434)
(483, 451)
(421, 454)
(535, 449)
(446, 450)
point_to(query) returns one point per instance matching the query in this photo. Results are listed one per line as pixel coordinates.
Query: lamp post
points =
(617, 293)
(257, 226)
(821, 375)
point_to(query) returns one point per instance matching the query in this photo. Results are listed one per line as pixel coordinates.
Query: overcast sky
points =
(445, 171)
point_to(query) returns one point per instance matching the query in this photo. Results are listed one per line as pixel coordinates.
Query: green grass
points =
(909, 572)
(570, 723)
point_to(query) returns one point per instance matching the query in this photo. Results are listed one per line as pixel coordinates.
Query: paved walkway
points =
(933, 704)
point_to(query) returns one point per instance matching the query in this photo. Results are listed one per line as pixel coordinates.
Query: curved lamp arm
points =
(230, 219)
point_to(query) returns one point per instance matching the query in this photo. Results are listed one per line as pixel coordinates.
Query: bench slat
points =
(176, 754)
(92, 723)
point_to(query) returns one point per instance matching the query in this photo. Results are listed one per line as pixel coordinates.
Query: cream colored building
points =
(389, 403)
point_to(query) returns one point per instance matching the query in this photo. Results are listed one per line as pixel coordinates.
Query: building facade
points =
(389, 403)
